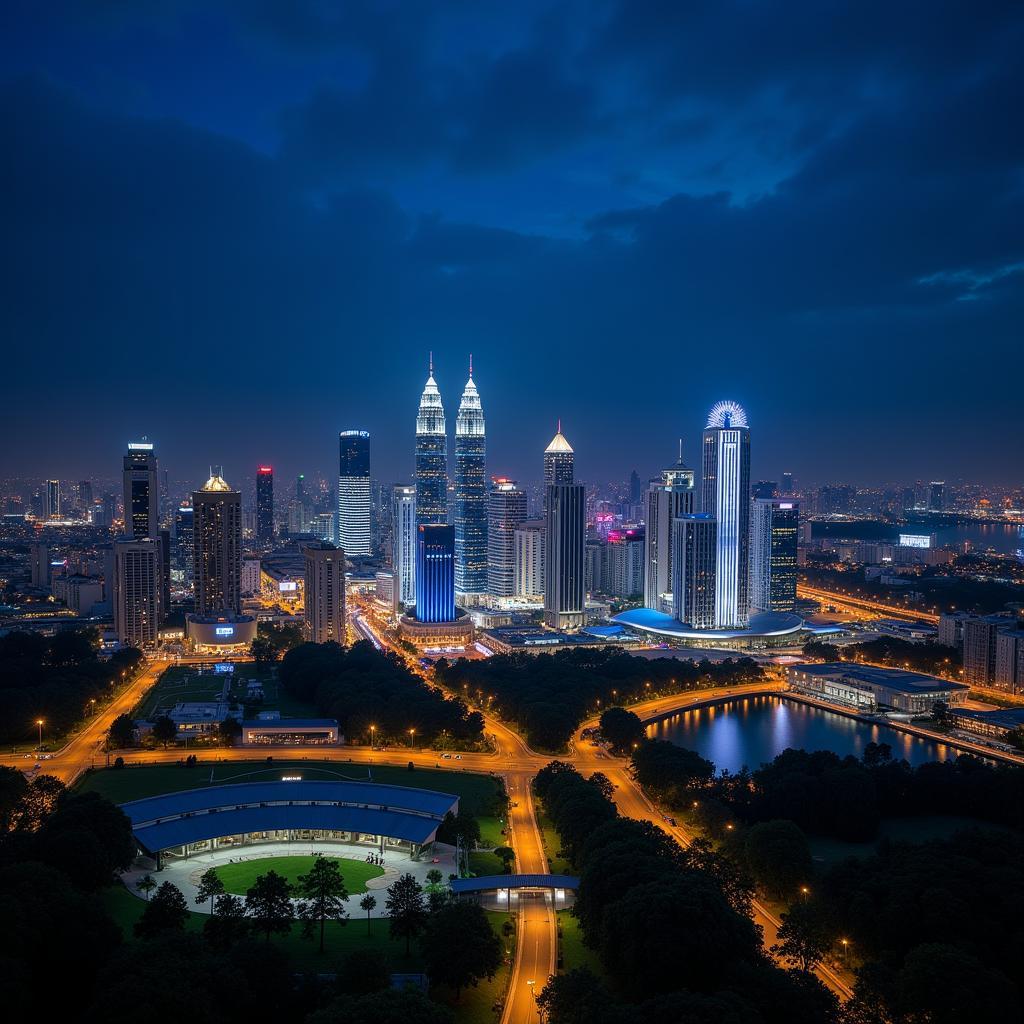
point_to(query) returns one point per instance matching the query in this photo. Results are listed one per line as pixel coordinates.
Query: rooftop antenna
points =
(431, 362)
(471, 364)
(559, 425)
(680, 451)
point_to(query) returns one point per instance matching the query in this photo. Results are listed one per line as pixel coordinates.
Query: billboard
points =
(915, 540)
(225, 631)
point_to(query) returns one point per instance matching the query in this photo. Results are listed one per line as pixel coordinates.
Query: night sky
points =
(239, 227)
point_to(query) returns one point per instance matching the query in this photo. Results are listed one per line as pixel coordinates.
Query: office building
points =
(324, 593)
(265, 506)
(141, 493)
(403, 552)
(725, 487)
(528, 570)
(431, 457)
(184, 544)
(506, 510)
(667, 499)
(322, 526)
(354, 492)
(471, 499)
(565, 533)
(937, 496)
(622, 564)
(695, 557)
(773, 543)
(435, 573)
(787, 484)
(559, 460)
(1009, 667)
(136, 592)
(85, 495)
(980, 636)
(52, 499)
(217, 547)
(39, 564)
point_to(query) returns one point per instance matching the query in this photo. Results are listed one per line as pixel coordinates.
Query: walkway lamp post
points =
(412, 735)
(373, 738)
(39, 723)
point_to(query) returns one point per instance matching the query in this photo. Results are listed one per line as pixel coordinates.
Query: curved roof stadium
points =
(765, 624)
(190, 816)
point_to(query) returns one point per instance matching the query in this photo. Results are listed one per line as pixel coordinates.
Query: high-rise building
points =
(141, 493)
(322, 526)
(354, 492)
(471, 499)
(136, 592)
(109, 509)
(85, 495)
(937, 496)
(39, 564)
(667, 499)
(52, 499)
(1009, 667)
(431, 457)
(265, 506)
(636, 489)
(622, 568)
(725, 488)
(565, 534)
(559, 460)
(403, 552)
(506, 510)
(184, 544)
(981, 635)
(773, 543)
(787, 483)
(435, 573)
(695, 554)
(325, 593)
(217, 547)
(528, 570)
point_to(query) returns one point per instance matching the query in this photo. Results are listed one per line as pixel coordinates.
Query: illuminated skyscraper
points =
(773, 542)
(559, 460)
(136, 591)
(354, 492)
(667, 498)
(470, 496)
(141, 494)
(217, 547)
(565, 539)
(265, 506)
(53, 499)
(403, 551)
(435, 573)
(506, 509)
(937, 495)
(694, 554)
(725, 487)
(324, 597)
(185, 544)
(431, 457)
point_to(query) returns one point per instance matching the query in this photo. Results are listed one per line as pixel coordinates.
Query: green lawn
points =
(570, 945)
(490, 831)
(552, 844)
(481, 863)
(479, 794)
(239, 878)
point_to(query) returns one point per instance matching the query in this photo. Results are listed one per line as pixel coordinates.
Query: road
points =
(863, 604)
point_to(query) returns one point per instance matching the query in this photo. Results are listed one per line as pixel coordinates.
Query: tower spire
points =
(559, 430)
(680, 451)
(431, 362)
(470, 364)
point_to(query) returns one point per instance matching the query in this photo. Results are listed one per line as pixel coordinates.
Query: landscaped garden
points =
(240, 876)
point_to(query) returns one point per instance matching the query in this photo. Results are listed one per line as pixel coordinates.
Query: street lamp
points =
(412, 734)
(39, 722)
(845, 944)
(373, 738)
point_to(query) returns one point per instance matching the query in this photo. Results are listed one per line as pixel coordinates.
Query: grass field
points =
(552, 844)
(481, 863)
(239, 878)
(570, 945)
(479, 794)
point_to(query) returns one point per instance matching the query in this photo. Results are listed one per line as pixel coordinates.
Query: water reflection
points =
(753, 730)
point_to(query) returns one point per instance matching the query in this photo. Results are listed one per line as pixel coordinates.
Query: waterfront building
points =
(324, 593)
(506, 510)
(141, 494)
(668, 498)
(353, 531)
(431, 457)
(565, 535)
(773, 544)
(217, 547)
(435, 573)
(695, 555)
(265, 506)
(403, 553)
(868, 687)
(137, 590)
(528, 568)
(471, 498)
(726, 496)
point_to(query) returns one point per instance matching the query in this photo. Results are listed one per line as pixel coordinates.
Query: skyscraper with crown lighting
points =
(431, 457)
(470, 497)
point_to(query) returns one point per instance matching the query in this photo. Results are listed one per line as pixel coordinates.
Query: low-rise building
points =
(290, 732)
(995, 724)
(869, 687)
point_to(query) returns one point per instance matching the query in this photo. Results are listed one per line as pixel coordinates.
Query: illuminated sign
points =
(225, 631)
(266, 469)
(140, 446)
(354, 433)
(291, 778)
(286, 585)
(224, 668)
(915, 540)
(785, 504)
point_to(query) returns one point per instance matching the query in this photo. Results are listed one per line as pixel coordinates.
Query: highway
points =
(861, 604)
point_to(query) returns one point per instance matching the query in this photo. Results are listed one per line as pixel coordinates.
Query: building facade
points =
(559, 460)
(565, 535)
(431, 457)
(773, 543)
(666, 499)
(980, 636)
(52, 499)
(403, 553)
(265, 506)
(136, 592)
(324, 593)
(1009, 667)
(141, 493)
(435, 573)
(353, 531)
(506, 510)
(528, 569)
(725, 492)
(471, 498)
(217, 548)
(695, 556)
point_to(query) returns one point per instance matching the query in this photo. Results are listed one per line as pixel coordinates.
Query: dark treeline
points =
(549, 695)
(361, 686)
(829, 795)
(670, 926)
(54, 678)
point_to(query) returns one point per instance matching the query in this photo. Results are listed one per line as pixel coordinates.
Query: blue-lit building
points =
(470, 497)
(431, 457)
(726, 497)
(435, 573)
(353, 531)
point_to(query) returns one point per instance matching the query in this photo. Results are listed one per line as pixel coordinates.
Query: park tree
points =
(167, 911)
(621, 728)
(209, 888)
(507, 857)
(392, 1006)
(603, 785)
(229, 730)
(461, 828)
(146, 884)
(578, 997)
(778, 856)
(122, 733)
(268, 904)
(369, 904)
(323, 893)
(164, 730)
(406, 909)
(464, 927)
(228, 925)
(805, 937)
